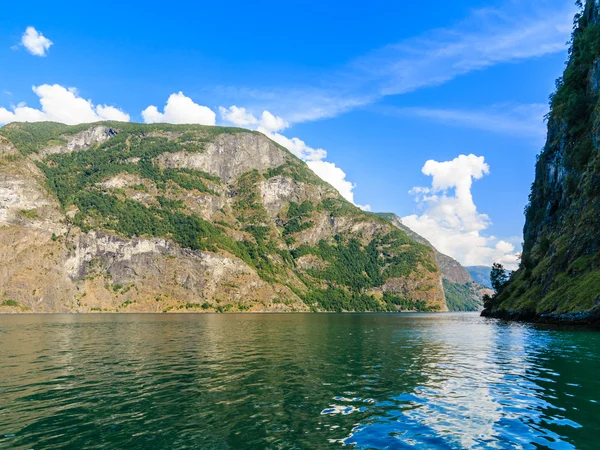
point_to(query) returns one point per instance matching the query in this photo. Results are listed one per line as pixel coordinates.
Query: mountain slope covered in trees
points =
(129, 217)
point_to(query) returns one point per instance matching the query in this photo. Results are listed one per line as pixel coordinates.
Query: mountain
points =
(130, 217)
(559, 274)
(462, 292)
(481, 274)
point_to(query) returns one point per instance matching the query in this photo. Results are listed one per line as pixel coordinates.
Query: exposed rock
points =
(81, 141)
(230, 156)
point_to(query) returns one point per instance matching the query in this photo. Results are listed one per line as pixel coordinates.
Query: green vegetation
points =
(359, 268)
(498, 277)
(296, 170)
(29, 214)
(31, 137)
(248, 206)
(573, 103)
(461, 297)
(299, 211)
(13, 303)
(69, 174)
(339, 207)
(339, 300)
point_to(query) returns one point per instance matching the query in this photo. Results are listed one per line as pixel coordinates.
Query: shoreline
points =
(586, 318)
(65, 313)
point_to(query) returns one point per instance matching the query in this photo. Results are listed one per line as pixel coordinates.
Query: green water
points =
(295, 381)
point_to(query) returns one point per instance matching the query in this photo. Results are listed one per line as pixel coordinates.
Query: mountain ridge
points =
(130, 217)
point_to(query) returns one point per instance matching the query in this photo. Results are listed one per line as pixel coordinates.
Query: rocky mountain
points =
(559, 274)
(481, 274)
(462, 292)
(129, 217)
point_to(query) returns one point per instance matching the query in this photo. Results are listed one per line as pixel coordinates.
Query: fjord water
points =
(295, 381)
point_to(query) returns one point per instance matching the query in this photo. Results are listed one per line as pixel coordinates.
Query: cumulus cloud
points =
(180, 109)
(35, 42)
(237, 116)
(271, 125)
(60, 104)
(449, 218)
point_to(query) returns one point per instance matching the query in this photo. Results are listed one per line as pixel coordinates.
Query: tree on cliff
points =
(498, 277)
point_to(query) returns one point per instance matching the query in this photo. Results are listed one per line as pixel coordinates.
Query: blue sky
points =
(382, 87)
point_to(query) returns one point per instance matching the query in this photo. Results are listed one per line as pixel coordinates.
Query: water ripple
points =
(295, 381)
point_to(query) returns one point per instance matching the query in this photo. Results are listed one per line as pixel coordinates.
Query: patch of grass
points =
(29, 214)
(12, 303)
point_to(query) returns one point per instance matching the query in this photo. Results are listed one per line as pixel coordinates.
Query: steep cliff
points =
(559, 275)
(462, 293)
(130, 217)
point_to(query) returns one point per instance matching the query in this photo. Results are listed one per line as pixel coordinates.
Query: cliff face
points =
(462, 293)
(128, 217)
(560, 268)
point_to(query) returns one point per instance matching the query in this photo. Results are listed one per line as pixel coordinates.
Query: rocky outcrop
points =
(81, 141)
(229, 156)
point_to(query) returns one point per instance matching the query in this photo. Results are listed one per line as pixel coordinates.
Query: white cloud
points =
(298, 147)
(337, 178)
(35, 42)
(237, 116)
(449, 218)
(268, 123)
(180, 109)
(60, 104)
(271, 124)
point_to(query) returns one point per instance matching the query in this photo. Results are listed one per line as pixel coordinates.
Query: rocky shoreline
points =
(588, 318)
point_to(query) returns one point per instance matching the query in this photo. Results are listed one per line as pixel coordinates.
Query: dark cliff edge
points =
(558, 280)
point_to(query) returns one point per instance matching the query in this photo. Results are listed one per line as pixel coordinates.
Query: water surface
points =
(295, 381)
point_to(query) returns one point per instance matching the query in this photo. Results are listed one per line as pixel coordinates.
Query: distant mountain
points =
(481, 274)
(156, 218)
(462, 291)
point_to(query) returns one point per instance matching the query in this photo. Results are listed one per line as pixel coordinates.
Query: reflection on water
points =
(295, 381)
